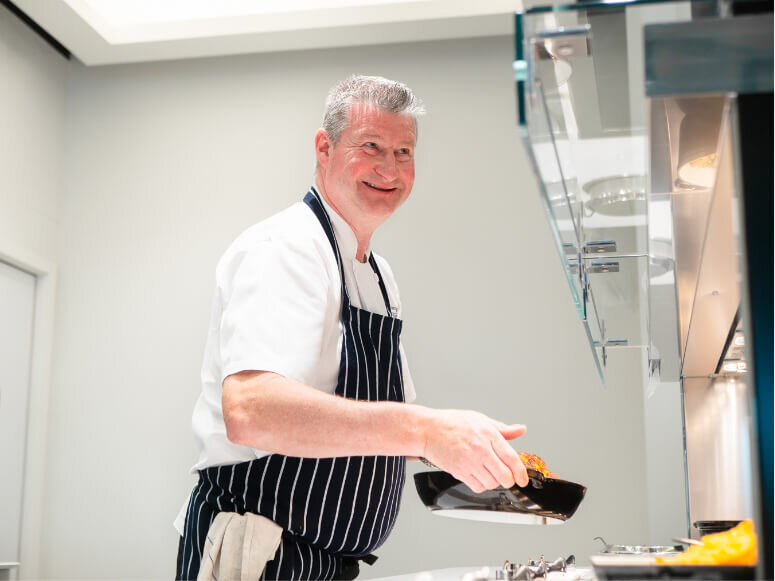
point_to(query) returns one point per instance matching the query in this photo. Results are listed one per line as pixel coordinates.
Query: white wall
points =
(32, 112)
(31, 133)
(165, 163)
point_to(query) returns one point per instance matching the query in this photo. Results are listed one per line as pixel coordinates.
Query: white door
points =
(17, 301)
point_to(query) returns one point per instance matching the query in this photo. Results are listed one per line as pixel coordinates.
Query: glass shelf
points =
(618, 285)
(560, 201)
(580, 73)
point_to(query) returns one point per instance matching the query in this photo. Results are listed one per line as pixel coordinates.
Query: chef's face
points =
(369, 173)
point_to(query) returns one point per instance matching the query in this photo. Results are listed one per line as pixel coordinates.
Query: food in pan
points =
(536, 463)
(737, 546)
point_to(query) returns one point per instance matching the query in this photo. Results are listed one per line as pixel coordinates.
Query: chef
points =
(304, 423)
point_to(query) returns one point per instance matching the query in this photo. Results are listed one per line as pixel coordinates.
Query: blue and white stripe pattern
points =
(329, 508)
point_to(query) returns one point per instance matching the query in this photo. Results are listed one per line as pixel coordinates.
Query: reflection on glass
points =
(585, 122)
(618, 286)
(698, 140)
(617, 195)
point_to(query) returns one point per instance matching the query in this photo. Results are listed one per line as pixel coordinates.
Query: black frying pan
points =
(543, 501)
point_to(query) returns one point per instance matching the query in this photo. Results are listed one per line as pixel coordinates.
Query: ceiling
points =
(101, 32)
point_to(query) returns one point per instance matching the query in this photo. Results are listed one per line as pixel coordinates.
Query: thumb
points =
(511, 431)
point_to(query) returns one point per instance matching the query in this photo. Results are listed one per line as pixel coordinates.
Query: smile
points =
(378, 188)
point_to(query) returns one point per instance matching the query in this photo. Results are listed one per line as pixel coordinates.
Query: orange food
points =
(705, 161)
(737, 546)
(536, 463)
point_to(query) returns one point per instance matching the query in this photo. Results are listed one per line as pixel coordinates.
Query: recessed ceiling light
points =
(120, 13)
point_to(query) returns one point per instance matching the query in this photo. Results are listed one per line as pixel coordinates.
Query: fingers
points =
(520, 476)
(507, 454)
(487, 479)
(510, 458)
(474, 448)
(510, 462)
(475, 484)
(511, 431)
(502, 468)
(500, 471)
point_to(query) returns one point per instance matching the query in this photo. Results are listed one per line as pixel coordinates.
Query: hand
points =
(474, 448)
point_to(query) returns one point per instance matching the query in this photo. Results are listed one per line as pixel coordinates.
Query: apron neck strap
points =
(313, 200)
(382, 288)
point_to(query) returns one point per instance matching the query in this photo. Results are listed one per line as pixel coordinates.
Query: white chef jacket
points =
(277, 307)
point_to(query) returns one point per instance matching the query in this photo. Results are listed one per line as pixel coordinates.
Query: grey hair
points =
(382, 93)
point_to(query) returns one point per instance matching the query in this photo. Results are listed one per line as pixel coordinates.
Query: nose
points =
(386, 166)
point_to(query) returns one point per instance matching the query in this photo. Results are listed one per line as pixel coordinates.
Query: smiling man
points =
(305, 419)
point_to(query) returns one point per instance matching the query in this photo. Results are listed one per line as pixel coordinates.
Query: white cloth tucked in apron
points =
(238, 547)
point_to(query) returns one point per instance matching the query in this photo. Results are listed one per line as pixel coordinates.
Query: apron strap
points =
(351, 568)
(382, 288)
(350, 565)
(312, 199)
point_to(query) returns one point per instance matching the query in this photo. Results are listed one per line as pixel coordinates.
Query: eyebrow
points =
(375, 136)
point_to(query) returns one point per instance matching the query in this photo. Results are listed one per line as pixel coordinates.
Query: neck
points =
(363, 244)
(362, 234)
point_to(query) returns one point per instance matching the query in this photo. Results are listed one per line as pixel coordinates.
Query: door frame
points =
(36, 437)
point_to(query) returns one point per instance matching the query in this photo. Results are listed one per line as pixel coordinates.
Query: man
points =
(303, 417)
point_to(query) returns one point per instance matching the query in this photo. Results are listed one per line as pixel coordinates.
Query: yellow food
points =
(536, 463)
(705, 161)
(737, 546)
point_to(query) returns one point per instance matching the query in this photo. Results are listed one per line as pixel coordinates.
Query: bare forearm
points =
(267, 411)
(270, 412)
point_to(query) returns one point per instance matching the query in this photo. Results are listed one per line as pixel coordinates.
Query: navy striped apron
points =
(332, 510)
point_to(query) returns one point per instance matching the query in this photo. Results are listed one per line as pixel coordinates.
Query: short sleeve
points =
(273, 308)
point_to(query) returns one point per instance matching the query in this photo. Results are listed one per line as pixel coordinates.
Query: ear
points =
(323, 147)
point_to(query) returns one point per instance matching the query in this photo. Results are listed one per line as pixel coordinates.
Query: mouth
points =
(379, 189)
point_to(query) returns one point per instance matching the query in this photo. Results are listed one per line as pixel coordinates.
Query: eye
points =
(370, 145)
(404, 153)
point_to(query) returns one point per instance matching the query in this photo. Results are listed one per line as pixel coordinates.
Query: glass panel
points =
(560, 203)
(618, 288)
(582, 90)
(589, 66)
